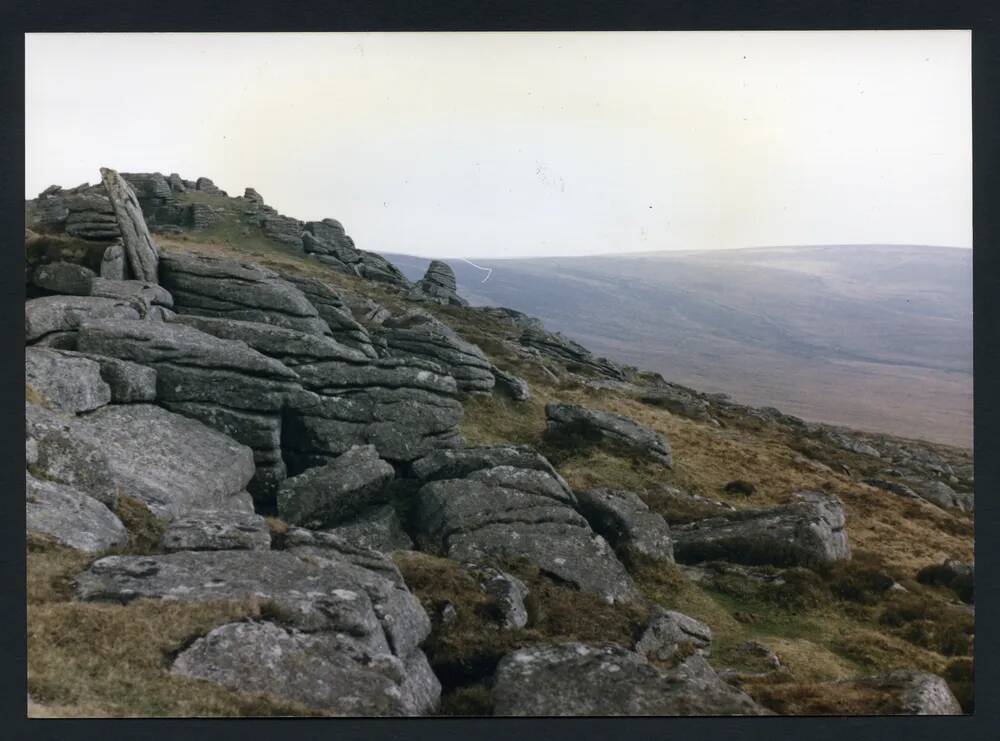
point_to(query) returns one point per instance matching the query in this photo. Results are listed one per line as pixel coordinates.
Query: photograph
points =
(496, 374)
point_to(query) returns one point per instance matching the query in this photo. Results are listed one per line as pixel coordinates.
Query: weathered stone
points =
(573, 420)
(334, 312)
(68, 383)
(209, 286)
(335, 673)
(574, 356)
(484, 519)
(418, 334)
(63, 314)
(438, 285)
(113, 265)
(71, 518)
(334, 492)
(377, 528)
(507, 591)
(134, 449)
(957, 576)
(678, 402)
(150, 293)
(626, 521)
(457, 464)
(939, 493)
(130, 383)
(205, 185)
(64, 277)
(140, 249)
(670, 632)
(213, 530)
(606, 679)
(513, 386)
(808, 531)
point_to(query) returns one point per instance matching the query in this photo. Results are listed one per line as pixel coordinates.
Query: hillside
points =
(268, 474)
(869, 336)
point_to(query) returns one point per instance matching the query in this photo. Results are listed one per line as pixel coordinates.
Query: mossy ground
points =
(832, 624)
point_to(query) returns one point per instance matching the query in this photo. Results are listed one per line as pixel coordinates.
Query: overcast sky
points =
(527, 144)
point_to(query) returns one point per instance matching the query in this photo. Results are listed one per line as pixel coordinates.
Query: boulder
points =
(590, 424)
(214, 530)
(420, 335)
(377, 528)
(574, 356)
(512, 386)
(113, 266)
(504, 513)
(205, 185)
(64, 277)
(130, 383)
(68, 382)
(635, 532)
(806, 532)
(606, 679)
(210, 286)
(334, 312)
(149, 293)
(60, 316)
(678, 401)
(954, 574)
(438, 285)
(332, 493)
(140, 249)
(670, 633)
(331, 672)
(71, 518)
(507, 591)
(134, 449)
(938, 492)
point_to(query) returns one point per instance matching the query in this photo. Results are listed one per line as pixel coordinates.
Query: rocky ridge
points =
(216, 390)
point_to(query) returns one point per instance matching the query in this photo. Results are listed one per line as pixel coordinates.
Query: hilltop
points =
(269, 474)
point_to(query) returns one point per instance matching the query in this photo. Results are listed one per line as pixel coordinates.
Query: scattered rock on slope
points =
(806, 532)
(576, 421)
(669, 633)
(636, 533)
(606, 679)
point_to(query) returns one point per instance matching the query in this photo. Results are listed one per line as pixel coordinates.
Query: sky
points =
(531, 144)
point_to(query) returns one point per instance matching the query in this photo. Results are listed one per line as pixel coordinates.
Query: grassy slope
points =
(87, 659)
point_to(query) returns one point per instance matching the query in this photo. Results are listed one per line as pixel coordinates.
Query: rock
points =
(176, 184)
(458, 464)
(513, 386)
(130, 383)
(64, 277)
(140, 249)
(606, 679)
(209, 286)
(71, 517)
(438, 285)
(916, 693)
(68, 383)
(573, 420)
(205, 185)
(377, 528)
(505, 513)
(677, 401)
(135, 449)
(151, 294)
(335, 673)
(754, 660)
(420, 335)
(939, 493)
(334, 312)
(507, 591)
(669, 633)
(113, 266)
(574, 356)
(213, 530)
(399, 405)
(61, 315)
(332, 493)
(636, 533)
(806, 532)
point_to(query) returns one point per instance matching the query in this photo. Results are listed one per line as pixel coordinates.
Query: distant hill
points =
(871, 336)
